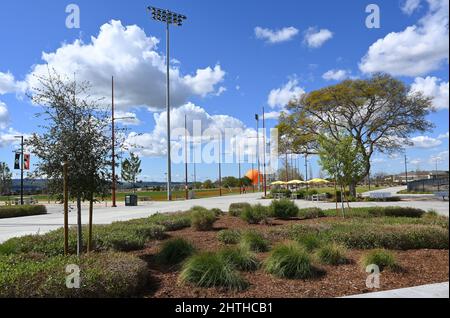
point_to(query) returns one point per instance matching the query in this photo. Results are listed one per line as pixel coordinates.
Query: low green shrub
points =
(310, 213)
(104, 275)
(202, 219)
(229, 236)
(242, 259)
(371, 212)
(255, 214)
(332, 254)
(309, 241)
(236, 209)
(289, 260)
(254, 242)
(15, 211)
(175, 251)
(283, 209)
(217, 212)
(380, 257)
(211, 270)
(402, 237)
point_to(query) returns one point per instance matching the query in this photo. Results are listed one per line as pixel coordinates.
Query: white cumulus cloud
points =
(133, 58)
(417, 50)
(433, 87)
(280, 97)
(315, 38)
(336, 75)
(4, 115)
(409, 6)
(425, 142)
(276, 36)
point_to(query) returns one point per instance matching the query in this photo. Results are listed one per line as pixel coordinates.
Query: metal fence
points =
(429, 185)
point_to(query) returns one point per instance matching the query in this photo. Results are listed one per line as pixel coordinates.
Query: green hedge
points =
(104, 275)
(365, 235)
(370, 212)
(21, 210)
(119, 236)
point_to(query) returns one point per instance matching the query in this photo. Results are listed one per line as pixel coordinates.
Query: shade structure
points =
(318, 181)
(278, 183)
(296, 182)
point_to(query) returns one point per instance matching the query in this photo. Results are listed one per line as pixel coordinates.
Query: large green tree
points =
(5, 179)
(379, 114)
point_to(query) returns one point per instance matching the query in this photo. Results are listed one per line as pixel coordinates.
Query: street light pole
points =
(186, 158)
(264, 153)
(257, 152)
(168, 18)
(21, 168)
(113, 134)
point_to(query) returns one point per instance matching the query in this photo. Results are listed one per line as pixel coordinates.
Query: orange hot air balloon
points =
(253, 175)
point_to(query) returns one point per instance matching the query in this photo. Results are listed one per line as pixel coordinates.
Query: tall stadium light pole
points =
(168, 17)
(264, 153)
(21, 168)
(186, 185)
(257, 152)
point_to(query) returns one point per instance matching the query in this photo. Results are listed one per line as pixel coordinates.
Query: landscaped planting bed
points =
(258, 252)
(15, 211)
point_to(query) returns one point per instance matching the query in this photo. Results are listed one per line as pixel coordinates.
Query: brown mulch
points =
(418, 267)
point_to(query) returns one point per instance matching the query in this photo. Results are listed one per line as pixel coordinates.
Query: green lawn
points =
(152, 195)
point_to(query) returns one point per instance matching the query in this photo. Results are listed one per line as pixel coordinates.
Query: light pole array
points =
(168, 17)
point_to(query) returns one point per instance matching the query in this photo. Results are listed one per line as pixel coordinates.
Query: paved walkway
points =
(105, 215)
(426, 291)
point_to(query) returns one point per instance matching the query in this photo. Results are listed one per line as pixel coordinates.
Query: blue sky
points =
(231, 58)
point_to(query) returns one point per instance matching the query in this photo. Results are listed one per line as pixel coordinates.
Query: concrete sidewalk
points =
(426, 291)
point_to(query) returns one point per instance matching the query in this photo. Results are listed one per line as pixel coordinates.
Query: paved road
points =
(105, 215)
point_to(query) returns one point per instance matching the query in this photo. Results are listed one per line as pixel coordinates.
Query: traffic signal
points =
(26, 162)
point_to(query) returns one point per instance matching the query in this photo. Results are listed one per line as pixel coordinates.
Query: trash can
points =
(131, 200)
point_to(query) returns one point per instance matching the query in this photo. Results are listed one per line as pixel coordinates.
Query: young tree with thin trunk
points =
(131, 169)
(75, 130)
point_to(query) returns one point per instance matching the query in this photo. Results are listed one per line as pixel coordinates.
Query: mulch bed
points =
(418, 267)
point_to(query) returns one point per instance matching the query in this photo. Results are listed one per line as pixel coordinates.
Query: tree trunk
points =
(352, 189)
(79, 228)
(91, 212)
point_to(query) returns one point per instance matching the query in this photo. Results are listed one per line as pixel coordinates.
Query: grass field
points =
(178, 194)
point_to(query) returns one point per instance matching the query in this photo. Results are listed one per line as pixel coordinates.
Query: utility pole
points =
(186, 185)
(168, 18)
(287, 168)
(306, 170)
(264, 153)
(406, 169)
